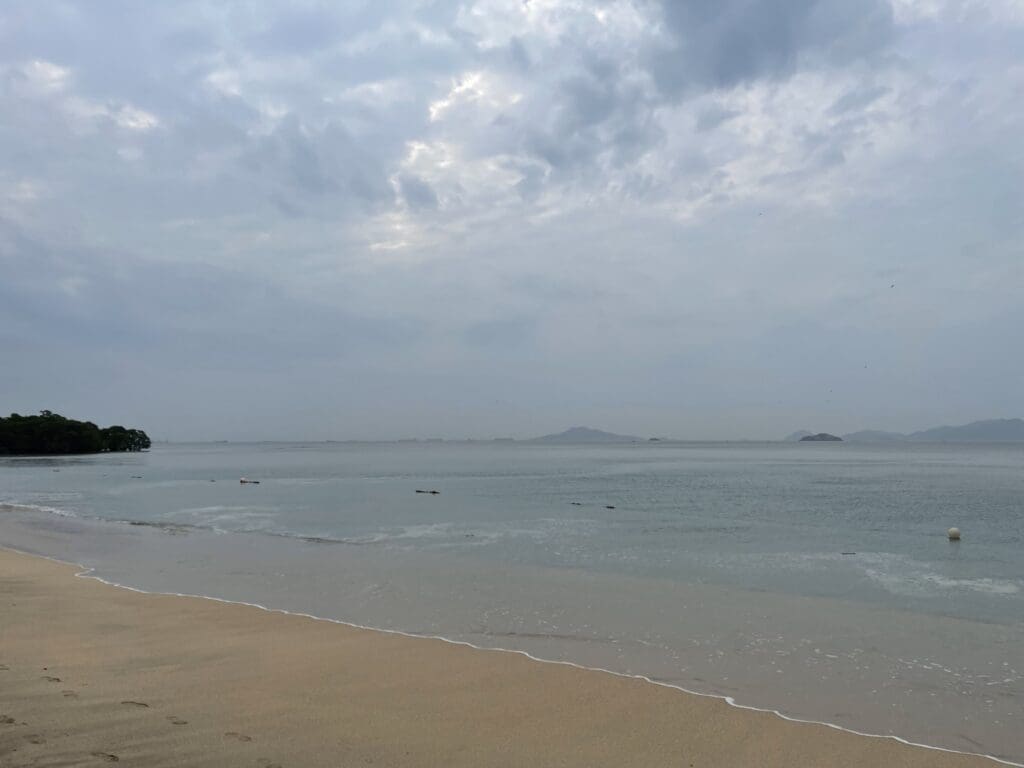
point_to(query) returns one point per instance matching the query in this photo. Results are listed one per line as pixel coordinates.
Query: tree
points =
(51, 434)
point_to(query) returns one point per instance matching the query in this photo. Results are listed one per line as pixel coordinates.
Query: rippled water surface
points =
(813, 578)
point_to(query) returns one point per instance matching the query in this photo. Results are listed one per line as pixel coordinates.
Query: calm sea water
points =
(811, 578)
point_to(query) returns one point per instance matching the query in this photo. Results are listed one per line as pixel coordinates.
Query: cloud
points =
(44, 84)
(649, 208)
(298, 31)
(724, 44)
(416, 192)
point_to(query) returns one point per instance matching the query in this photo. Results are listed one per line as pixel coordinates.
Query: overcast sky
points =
(695, 218)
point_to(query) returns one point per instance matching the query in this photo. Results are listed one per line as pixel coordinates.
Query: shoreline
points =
(815, 739)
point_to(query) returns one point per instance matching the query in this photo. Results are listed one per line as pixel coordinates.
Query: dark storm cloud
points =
(304, 164)
(417, 193)
(597, 111)
(720, 44)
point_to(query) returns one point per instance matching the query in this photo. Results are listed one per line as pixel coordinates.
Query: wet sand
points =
(91, 674)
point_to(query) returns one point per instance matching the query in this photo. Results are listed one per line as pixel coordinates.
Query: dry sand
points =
(92, 674)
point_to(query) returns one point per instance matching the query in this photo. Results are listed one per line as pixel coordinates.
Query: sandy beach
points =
(92, 674)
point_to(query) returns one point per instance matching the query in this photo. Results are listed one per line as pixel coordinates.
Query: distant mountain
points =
(797, 436)
(990, 431)
(874, 436)
(821, 437)
(585, 435)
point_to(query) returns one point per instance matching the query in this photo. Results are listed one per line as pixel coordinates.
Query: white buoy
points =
(954, 534)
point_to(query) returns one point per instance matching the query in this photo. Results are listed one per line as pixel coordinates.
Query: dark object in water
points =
(576, 503)
(433, 493)
(848, 553)
(245, 481)
(609, 506)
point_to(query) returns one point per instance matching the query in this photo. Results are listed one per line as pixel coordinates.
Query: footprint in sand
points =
(50, 679)
(35, 738)
(177, 720)
(69, 694)
(265, 763)
(4, 668)
(7, 720)
(106, 757)
(136, 704)
(238, 736)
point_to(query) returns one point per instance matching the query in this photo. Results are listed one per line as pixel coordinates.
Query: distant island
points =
(987, 431)
(821, 437)
(50, 434)
(586, 435)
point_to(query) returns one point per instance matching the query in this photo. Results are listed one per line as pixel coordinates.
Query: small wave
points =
(222, 509)
(20, 507)
(313, 539)
(913, 578)
(992, 586)
(895, 573)
(221, 518)
(176, 529)
(925, 584)
(465, 534)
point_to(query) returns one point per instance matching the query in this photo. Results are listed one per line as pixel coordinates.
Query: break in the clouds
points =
(378, 219)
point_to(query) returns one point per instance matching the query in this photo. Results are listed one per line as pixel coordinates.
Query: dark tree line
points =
(52, 434)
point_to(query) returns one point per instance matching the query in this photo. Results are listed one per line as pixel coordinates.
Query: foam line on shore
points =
(87, 572)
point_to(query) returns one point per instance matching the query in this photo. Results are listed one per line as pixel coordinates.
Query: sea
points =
(815, 580)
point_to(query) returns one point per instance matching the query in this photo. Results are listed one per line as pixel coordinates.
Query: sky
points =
(471, 218)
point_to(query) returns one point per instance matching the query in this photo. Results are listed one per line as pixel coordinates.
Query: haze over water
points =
(814, 579)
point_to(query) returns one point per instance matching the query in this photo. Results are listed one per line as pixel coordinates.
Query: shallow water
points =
(720, 567)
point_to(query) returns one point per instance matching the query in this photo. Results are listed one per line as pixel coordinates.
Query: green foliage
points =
(52, 434)
(117, 438)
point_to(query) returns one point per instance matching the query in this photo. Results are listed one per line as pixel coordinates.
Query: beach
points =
(93, 673)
